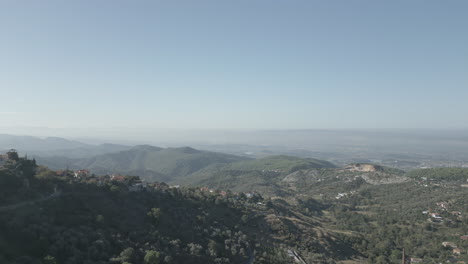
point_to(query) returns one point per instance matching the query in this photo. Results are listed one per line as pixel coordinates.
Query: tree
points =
(268, 203)
(115, 188)
(45, 174)
(127, 255)
(244, 219)
(195, 249)
(155, 214)
(13, 155)
(49, 260)
(152, 257)
(213, 248)
(168, 259)
(100, 219)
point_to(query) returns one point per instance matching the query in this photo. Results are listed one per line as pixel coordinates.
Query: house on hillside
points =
(12, 154)
(443, 205)
(249, 195)
(117, 177)
(82, 174)
(465, 237)
(341, 195)
(449, 245)
(456, 251)
(456, 213)
(436, 216)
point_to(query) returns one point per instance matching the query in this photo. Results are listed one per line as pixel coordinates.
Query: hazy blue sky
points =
(234, 64)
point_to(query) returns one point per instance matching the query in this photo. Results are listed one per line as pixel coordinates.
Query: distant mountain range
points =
(281, 208)
(28, 143)
(55, 146)
(188, 166)
(149, 162)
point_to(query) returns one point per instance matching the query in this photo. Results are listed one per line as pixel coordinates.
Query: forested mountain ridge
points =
(149, 162)
(29, 143)
(56, 147)
(282, 175)
(444, 174)
(103, 220)
(324, 215)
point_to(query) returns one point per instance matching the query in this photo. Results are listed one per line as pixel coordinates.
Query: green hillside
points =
(261, 175)
(96, 220)
(282, 163)
(356, 214)
(155, 164)
(446, 174)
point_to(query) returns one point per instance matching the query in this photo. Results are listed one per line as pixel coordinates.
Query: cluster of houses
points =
(450, 245)
(249, 195)
(341, 195)
(271, 172)
(442, 207)
(206, 189)
(135, 184)
(420, 260)
(82, 174)
(7, 156)
(352, 179)
(456, 251)
(424, 181)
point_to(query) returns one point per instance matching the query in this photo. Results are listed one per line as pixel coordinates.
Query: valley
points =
(233, 132)
(294, 210)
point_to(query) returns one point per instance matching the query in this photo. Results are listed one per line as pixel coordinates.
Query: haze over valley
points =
(233, 132)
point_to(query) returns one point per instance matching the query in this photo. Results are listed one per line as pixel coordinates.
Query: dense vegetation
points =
(389, 218)
(149, 162)
(280, 163)
(323, 214)
(261, 175)
(68, 220)
(447, 174)
(379, 211)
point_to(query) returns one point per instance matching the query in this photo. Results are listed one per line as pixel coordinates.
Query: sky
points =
(244, 64)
